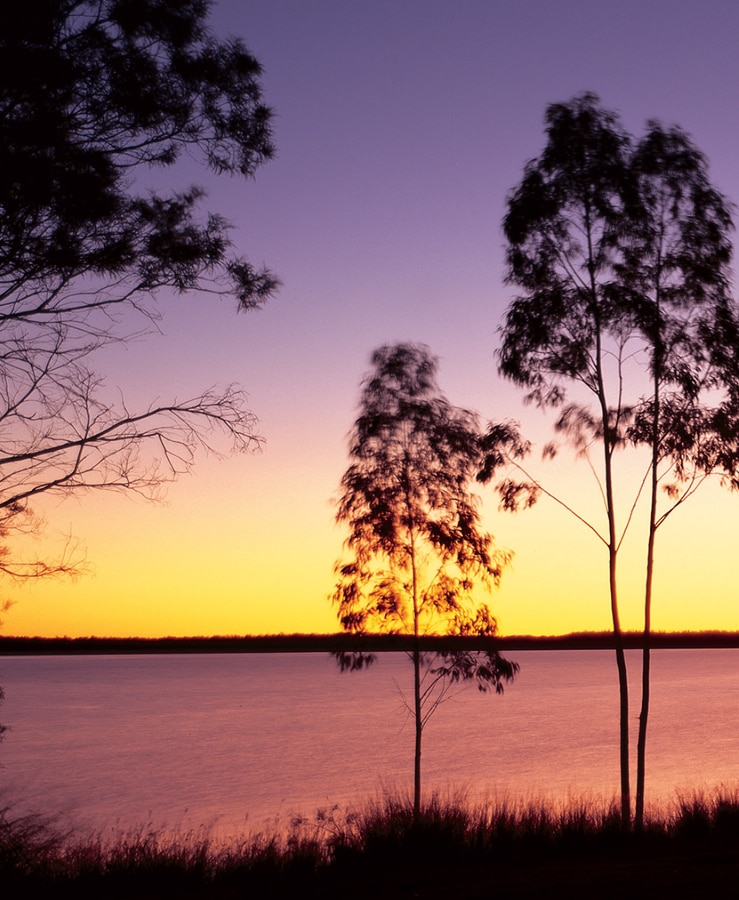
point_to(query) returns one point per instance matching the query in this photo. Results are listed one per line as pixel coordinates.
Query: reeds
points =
(336, 848)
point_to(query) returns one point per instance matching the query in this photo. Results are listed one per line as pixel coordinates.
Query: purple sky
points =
(401, 125)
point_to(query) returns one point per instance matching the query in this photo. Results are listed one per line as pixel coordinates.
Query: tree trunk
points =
(609, 443)
(623, 678)
(641, 747)
(417, 709)
(419, 732)
(623, 690)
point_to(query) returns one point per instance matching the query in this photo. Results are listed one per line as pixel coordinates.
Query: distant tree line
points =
(351, 643)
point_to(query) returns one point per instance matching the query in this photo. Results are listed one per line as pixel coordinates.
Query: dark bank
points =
(332, 643)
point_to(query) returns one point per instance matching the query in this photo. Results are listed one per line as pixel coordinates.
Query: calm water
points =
(234, 741)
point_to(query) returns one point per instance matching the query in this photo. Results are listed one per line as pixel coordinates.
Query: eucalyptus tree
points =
(676, 271)
(99, 100)
(566, 326)
(620, 249)
(416, 548)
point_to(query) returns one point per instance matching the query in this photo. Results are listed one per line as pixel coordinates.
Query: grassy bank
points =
(454, 850)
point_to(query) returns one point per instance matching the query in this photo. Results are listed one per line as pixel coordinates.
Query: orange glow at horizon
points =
(186, 569)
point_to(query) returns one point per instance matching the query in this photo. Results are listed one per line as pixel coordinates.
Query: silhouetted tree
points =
(416, 547)
(620, 249)
(560, 228)
(676, 257)
(96, 96)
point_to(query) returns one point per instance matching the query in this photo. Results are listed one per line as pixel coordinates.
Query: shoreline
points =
(334, 643)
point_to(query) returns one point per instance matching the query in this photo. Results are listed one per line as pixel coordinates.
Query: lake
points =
(247, 741)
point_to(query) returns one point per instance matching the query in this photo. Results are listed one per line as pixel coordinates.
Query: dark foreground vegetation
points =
(453, 850)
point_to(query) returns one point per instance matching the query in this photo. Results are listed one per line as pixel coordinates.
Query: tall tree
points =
(416, 547)
(676, 271)
(566, 327)
(620, 249)
(96, 98)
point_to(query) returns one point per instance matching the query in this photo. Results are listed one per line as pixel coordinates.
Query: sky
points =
(400, 126)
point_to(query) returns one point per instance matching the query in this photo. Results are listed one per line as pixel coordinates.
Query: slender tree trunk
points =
(417, 706)
(623, 678)
(419, 733)
(641, 747)
(623, 691)
(608, 446)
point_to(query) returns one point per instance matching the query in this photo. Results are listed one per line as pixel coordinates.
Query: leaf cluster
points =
(97, 97)
(620, 247)
(416, 546)
(92, 92)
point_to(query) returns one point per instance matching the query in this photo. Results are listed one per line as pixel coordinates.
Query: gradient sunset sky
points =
(400, 126)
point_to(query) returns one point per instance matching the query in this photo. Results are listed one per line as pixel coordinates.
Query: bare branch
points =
(92, 93)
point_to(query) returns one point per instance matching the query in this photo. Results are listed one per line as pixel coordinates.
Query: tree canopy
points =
(416, 548)
(620, 248)
(96, 98)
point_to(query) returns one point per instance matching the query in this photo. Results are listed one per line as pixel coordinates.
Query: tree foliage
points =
(415, 544)
(620, 249)
(676, 274)
(98, 97)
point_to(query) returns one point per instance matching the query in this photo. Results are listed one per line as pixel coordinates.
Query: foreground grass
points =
(453, 850)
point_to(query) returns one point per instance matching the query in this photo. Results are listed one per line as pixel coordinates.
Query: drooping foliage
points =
(624, 322)
(100, 100)
(676, 259)
(416, 549)
(93, 95)
(413, 521)
(676, 271)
